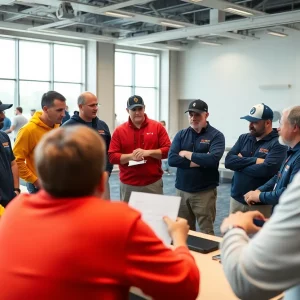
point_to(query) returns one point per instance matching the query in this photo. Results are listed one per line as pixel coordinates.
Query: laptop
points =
(201, 245)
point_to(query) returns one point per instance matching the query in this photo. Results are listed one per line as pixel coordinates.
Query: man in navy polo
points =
(289, 135)
(9, 174)
(255, 158)
(196, 152)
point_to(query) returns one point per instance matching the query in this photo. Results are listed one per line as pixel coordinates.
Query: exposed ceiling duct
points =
(151, 23)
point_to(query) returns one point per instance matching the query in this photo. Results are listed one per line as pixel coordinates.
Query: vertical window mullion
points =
(17, 63)
(52, 66)
(133, 74)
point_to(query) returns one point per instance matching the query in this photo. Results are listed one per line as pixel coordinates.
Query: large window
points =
(136, 74)
(30, 68)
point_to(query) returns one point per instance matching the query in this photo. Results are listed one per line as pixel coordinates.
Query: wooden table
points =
(214, 285)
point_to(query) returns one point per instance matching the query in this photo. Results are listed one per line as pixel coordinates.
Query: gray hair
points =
(293, 115)
(81, 99)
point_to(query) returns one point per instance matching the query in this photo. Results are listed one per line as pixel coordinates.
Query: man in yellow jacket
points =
(53, 110)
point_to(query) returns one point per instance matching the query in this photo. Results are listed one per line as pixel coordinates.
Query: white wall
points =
(228, 78)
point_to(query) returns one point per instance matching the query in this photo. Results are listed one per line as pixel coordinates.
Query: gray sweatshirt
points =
(269, 263)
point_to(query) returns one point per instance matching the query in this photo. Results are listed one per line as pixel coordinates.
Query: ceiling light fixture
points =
(276, 33)
(196, 0)
(211, 43)
(239, 12)
(175, 25)
(173, 48)
(117, 15)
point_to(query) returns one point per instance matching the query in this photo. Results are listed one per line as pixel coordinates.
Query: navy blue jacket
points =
(6, 177)
(248, 175)
(208, 147)
(272, 190)
(66, 117)
(100, 126)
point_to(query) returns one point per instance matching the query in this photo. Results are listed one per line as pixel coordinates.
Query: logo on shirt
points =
(204, 141)
(6, 144)
(286, 168)
(263, 150)
(148, 133)
(101, 131)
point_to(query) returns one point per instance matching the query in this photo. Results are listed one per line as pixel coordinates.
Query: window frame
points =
(133, 87)
(51, 80)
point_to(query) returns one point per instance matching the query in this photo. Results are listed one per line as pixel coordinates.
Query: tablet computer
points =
(201, 245)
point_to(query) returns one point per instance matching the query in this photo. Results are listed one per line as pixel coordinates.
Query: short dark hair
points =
(65, 161)
(49, 97)
(20, 109)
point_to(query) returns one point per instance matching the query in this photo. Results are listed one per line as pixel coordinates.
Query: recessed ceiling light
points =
(276, 33)
(211, 43)
(117, 15)
(169, 24)
(238, 12)
(196, 0)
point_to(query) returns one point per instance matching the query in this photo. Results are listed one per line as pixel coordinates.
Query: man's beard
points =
(283, 142)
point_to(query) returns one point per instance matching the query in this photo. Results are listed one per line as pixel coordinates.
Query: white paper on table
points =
(153, 208)
(134, 162)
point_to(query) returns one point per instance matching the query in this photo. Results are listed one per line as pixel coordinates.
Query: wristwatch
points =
(17, 190)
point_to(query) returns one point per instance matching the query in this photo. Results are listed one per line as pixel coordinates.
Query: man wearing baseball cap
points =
(255, 158)
(9, 175)
(196, 152)
(138, 146)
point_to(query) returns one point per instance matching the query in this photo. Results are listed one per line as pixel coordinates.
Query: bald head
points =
(88, 106)
(70, 161)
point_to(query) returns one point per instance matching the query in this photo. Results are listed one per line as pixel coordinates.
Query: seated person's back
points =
(67, 243)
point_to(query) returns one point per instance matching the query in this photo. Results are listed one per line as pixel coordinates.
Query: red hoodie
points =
(87, 248)
(126, 138)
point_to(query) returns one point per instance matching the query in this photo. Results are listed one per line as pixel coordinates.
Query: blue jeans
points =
(165, 165)
(31, 188)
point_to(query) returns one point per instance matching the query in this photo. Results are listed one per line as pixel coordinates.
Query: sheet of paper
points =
(153, 208)
(134, 162)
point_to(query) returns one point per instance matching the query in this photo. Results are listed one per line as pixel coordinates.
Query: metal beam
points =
(243, 24)
(57, 33)
(223, 5)
(55, 24)
(25, 13)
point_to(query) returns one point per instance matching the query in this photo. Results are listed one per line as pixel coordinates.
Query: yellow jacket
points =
(1, 210)
(27, 139)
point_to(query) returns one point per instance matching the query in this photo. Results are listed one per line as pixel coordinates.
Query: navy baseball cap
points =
(135, 101)
(259, 112)
(4, 106)
(198, 106)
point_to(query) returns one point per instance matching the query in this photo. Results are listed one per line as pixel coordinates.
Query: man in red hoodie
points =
(65, 242)
(138, 146)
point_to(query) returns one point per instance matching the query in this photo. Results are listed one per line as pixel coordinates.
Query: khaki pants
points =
(236, 206)
(153, 188)
(200, 207)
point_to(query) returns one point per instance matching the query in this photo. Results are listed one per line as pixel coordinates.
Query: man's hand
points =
(139, 154)
(243, 220)
(178, 230)
(259, 161)
(252, 197)
(193, 165)
(186, 154)
(240, 155)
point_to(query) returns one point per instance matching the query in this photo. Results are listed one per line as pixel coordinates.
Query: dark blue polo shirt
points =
(6, 177)
(272, 190)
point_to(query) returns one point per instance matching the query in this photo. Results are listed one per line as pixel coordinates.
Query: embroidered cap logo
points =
(135, 99)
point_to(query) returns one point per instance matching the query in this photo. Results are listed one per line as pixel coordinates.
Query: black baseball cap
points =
(135, 101)
(198, 106)
(4, 106)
